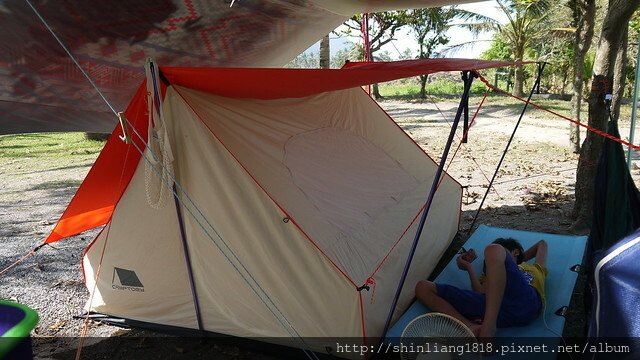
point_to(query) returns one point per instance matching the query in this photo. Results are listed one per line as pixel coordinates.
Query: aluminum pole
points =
(634, 109)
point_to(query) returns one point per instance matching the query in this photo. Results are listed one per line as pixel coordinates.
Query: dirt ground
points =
(533, 191)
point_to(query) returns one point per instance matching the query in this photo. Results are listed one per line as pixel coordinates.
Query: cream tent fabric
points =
(310, 197)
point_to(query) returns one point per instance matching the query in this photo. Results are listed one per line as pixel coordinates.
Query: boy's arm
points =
(476, 285)
(537, 251)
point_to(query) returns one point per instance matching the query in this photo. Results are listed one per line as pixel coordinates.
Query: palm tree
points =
(525, 24)
(429, 27)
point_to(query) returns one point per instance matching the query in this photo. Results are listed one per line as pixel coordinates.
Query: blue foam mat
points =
(565, 251)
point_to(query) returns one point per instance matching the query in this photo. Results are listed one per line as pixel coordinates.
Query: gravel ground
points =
(534, 191)
(33, 197)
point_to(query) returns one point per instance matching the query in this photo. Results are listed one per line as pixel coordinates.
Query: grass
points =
(34, 152)
(440, 87)
(58, 144)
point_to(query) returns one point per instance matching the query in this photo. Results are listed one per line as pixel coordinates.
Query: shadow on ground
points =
(51, 169)
(70, 185)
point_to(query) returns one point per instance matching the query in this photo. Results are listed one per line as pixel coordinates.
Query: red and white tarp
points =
(41, 89)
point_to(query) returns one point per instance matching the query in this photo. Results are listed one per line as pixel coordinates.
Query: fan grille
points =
(437, 336)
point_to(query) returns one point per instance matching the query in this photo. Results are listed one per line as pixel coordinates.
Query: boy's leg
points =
(495, 282)
(427, 293)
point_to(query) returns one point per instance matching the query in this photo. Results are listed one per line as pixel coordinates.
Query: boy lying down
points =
(511, 292)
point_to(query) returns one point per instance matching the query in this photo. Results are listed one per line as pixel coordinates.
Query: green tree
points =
(383, 27)
(498, 50)
(556, 48)
(558, 53)
(407, 54)
(353, 52)
(526, 22)
(429, 27)
(306, 60)
(607, 78)
(584, 12)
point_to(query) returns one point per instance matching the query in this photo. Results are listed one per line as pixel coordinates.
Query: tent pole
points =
(634, 108)
(187, 258)
(465, 128)
(513, 134)
(183, 235)
(365, 36)
(467, 77)
(364, 27)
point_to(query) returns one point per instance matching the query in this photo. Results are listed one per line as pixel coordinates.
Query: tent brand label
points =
(124, 279)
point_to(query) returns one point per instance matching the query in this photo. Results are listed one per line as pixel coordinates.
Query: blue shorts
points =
(521, 303)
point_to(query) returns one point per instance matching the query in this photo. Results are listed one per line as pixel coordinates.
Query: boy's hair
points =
(511, 244)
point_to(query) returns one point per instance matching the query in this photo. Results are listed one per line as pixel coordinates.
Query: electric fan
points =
(437, 336)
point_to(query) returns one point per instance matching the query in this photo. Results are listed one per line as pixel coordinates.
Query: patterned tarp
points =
(41, 89)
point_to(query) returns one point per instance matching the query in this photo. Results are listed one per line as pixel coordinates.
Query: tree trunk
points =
(325, 53)
(376, 92)
(563, 90)
(611, 39)
(423, 86)
(584, 15)
(518, 85)
(620, 75)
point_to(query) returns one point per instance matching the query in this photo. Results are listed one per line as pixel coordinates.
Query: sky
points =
(405, 40)
(457, 35)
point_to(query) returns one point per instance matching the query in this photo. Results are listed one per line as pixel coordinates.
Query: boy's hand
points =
(462, 263)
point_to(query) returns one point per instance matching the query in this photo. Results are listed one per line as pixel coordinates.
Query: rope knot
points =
(370, 282)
